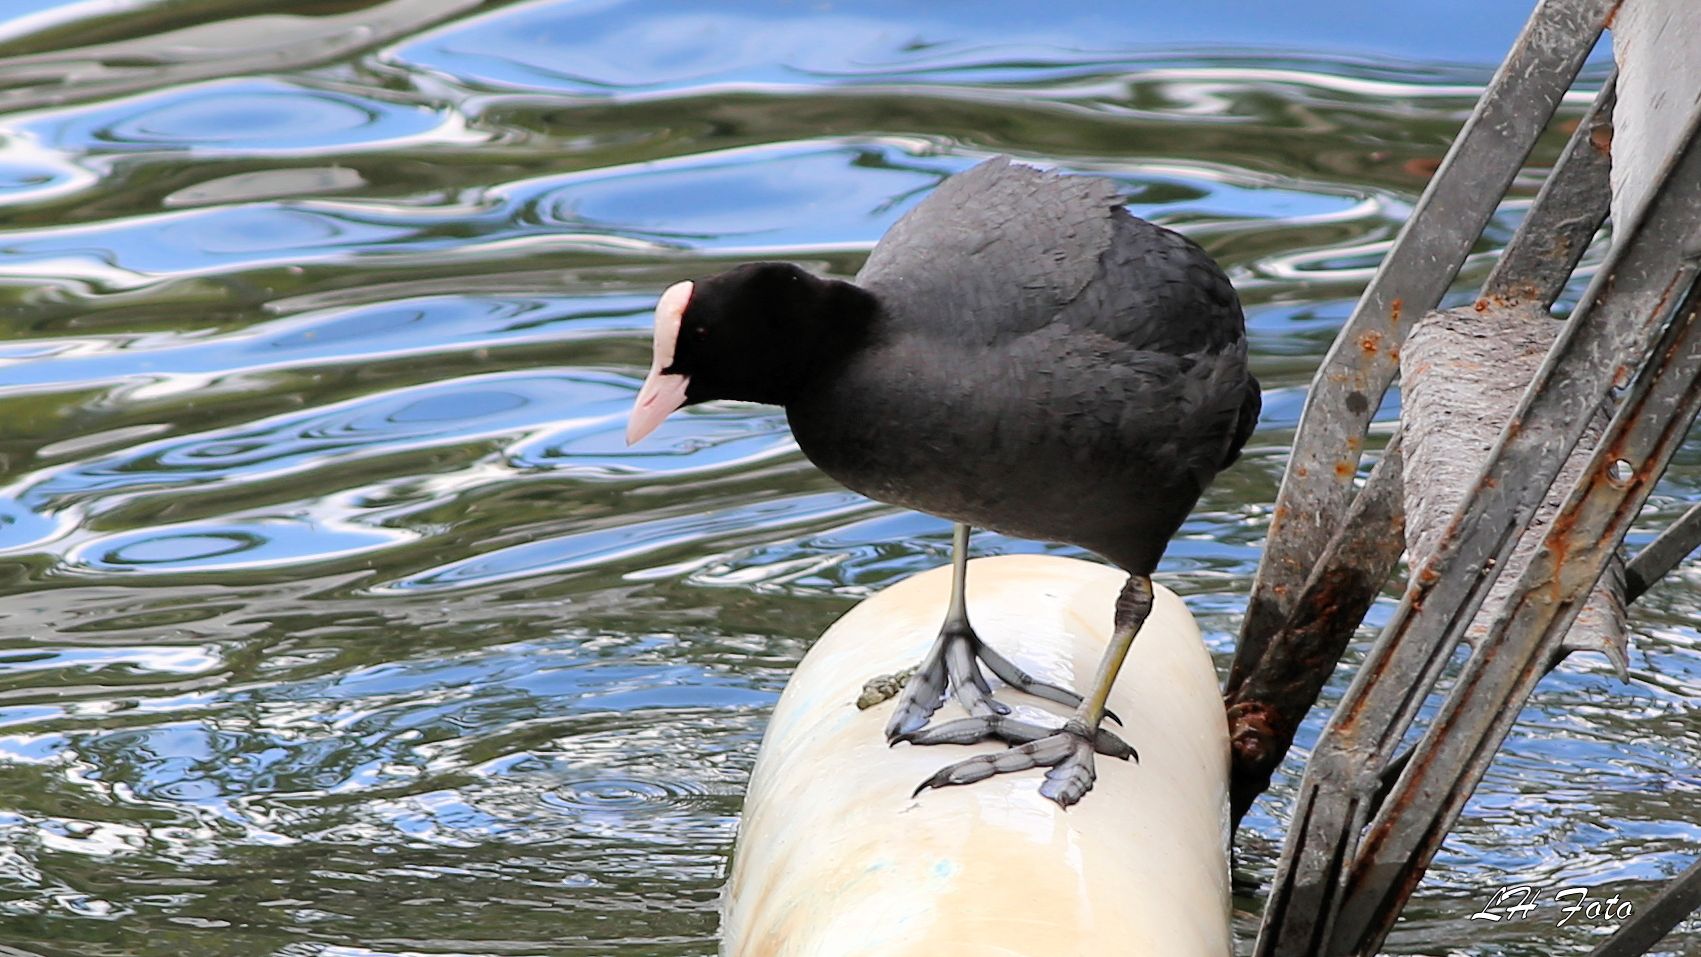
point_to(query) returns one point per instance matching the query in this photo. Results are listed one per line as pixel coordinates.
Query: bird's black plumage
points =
(1033, 360)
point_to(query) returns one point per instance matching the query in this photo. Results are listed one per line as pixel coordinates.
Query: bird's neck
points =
(842, 322)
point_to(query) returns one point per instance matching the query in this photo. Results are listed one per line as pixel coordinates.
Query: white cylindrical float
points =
(834, 857)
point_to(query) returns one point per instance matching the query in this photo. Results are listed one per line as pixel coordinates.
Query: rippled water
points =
(338, 618)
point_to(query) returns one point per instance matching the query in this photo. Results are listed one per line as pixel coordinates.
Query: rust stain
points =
(1302, 471)
(1612, 15)
(1427, 576)
(1559, 534)
(1370, 342)
(1394, 310)
(1516, 295)
(1253, 734)
(1601, 137)
(1409, 881)
(1343, 470)
(1265, 712)
(1558, 544)
(1665, 295)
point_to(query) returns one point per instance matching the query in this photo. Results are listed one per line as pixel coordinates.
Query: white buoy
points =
(834, 857)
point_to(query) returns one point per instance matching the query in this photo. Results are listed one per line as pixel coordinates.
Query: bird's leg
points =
(1066, 753)
(954, 662)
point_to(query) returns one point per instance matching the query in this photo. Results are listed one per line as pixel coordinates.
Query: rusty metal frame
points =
(1629, 308)
(1455, 752)
(1427, 255)
(1266, 710)
(1565, 216)
(1267, 704)
(1663, 554)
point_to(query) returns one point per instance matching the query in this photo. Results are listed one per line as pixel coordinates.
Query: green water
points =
(338, 619)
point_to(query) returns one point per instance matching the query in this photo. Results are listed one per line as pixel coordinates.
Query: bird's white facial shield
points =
(662, 392)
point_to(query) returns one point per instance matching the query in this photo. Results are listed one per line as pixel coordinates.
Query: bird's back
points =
(1003, 249)
(1043, 363)
(993, 252)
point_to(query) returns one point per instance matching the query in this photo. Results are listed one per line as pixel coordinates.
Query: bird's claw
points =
(1067, 754)
(1012, 731)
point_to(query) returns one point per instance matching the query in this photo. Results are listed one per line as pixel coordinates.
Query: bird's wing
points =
(994, 252)
(1160, 292)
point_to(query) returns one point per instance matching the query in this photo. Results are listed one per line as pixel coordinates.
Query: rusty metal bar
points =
(1551, 240)
(1661, 555)
(1433, 244)
(1566, 214)
(1626, 307)
(1266, 710)
(1457, 749)
(1655, 919)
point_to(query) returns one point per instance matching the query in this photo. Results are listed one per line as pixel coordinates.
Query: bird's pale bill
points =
(663, 392)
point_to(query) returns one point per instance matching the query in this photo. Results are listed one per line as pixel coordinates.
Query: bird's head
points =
(753, 333)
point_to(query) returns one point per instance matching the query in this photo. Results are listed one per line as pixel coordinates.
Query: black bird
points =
(1019, 353)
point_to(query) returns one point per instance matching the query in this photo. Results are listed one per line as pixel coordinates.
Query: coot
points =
(1019, 353)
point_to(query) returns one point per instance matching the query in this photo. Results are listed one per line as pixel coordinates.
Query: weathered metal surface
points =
(1654, 42)
(1614, 646)
(1663, 554)
(1626, 310)
(1267, 708)
(1656, 918)
(1455, 752)
(1431, 247)
(1461, 374)
(1533, 269)
(1567, 213)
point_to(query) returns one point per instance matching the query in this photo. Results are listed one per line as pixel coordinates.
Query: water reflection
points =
(260, 117)
(606, 48)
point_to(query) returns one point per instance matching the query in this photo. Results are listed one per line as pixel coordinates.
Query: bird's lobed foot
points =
(954, 663)
(1010, 731)
(1066, 753)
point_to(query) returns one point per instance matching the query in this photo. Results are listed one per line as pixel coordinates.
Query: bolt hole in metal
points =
(1620, 472)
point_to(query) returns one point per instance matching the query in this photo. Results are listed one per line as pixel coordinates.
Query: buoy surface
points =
(835, 857)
